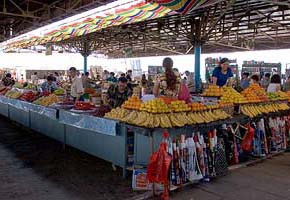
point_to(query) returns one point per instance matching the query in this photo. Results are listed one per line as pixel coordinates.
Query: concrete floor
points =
(269, 180)
(33, 167)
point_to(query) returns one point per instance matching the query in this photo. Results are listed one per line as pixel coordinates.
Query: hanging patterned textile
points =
(180, 6)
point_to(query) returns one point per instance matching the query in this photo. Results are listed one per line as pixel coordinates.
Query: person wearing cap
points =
(77, 89)
(118, 93)
(222, 74)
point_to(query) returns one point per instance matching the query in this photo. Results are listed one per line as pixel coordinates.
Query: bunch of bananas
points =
(117, 113)
(151, 120)
(255, 110)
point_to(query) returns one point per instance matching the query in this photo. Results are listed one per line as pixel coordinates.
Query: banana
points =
(175, 121)
(146, 122)
(156, 121)
(141, 118)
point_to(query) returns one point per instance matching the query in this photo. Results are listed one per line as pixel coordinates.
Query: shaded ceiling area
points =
(231, 25)
(20, 16)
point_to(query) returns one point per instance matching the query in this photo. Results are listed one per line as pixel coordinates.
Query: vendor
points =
(254, 79)
(222, 74)
(119, 93)
(169, 83)
(77, 89)
(87, 81)
(8, 80)
(49, 85)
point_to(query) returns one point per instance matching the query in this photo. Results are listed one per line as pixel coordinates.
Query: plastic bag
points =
(158, 168)
(184, 93)
(248, 139)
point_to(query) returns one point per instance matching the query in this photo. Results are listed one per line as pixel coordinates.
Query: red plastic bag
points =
(158, 168)
(248, 139)
(184, 93)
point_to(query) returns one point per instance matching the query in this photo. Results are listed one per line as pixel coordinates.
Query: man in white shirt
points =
(34, 78)
(77, 86)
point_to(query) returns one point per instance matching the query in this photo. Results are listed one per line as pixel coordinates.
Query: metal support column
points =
(197, 53)
(85, 63)
(85, 51)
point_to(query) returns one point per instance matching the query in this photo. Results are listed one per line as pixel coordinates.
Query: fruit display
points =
(196, 106)
(13, 94)
(273, 96)
(117, 113)
(230, 95)
(18, 85)
(28, 96)
(213, 91)
(132, 103)
(179, 106)
(277, 96)
(30, 86)
(46, 100)
(255, 110)
(102, 110)
(59, 91)
(3, 90)
(81, 105)
(155, 106)
(167, 100)
(162, 120)
(254, 94)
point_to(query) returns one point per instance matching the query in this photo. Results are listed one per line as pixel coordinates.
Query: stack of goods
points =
(102, 110)
(117, 114)
(230, 95)
(213, 91)
(277, 96)
(13, 94)
(30, 86)
(155, 106)
(59, 91)
(133, 103)
(3, 90)
(156, 113)
(256, 110)
(195, 106)
(81, 105)
(28, 96)
(179, 106)
(46, 100)
(254, 94)
(18, 85)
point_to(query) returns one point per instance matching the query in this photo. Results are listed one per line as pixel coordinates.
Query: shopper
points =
(222, 74)
(144, 85)
(129, 75)
(189, 81)
(245, 82)
(34, 78)
(8, 80)
(87, 81)
(112, 78)
(119, 93)
(265, 80)
(49, 85)
(287, 85)
(77, 86)
(254, 79)
(275, 83)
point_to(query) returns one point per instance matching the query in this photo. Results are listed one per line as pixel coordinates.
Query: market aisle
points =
(34, 167)
(269, 180)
